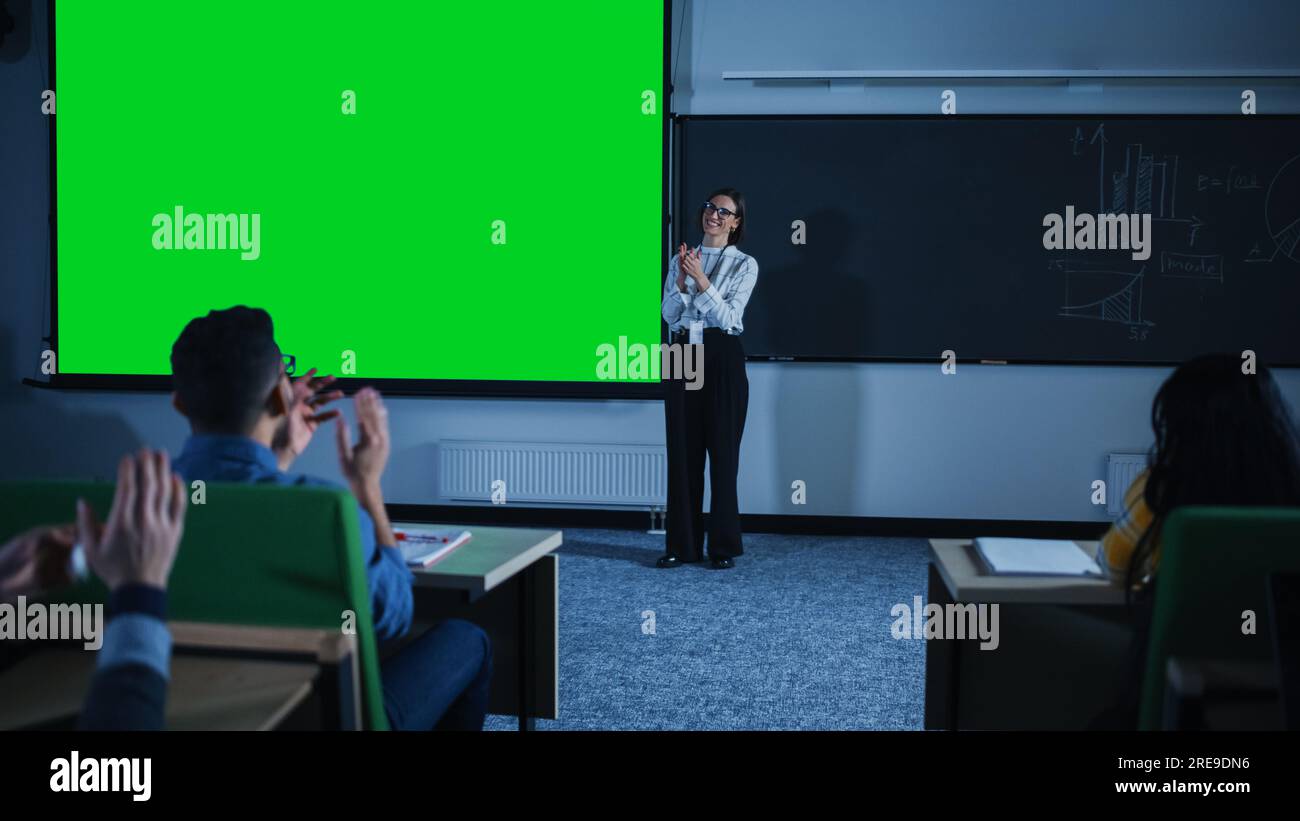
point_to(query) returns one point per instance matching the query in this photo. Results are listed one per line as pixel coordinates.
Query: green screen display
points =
(430, 191)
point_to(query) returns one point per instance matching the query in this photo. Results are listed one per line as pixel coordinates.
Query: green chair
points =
(251, 554)
(1214, 563)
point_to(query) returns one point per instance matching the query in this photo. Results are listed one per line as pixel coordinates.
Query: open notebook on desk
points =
(423, 546)
(1035, 557)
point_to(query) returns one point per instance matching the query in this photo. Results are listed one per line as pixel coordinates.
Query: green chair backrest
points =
(1214, 563)
(251, 554)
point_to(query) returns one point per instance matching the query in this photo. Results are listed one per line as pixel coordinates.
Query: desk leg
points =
(339, 696)
(521, 616)
(942, 666)
(526, 643)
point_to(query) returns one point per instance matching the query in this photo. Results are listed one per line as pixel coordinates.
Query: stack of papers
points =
(1035, 557)
(422, 547)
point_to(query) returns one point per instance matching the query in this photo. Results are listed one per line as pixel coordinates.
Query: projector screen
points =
(464, 197)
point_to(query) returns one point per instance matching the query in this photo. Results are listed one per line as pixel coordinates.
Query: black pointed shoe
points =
(723, 563)
(669, 560)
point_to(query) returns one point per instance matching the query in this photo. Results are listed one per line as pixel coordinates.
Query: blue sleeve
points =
(136, 631)
(129, 697)
(129, 689)
(391, 603)
(135, 638)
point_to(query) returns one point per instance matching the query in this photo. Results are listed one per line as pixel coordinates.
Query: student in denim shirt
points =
(249, 422)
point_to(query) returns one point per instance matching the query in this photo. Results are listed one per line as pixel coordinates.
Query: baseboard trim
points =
(752, 522)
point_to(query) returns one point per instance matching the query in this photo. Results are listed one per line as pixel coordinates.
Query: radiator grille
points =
(599, 474)
(1121, 470)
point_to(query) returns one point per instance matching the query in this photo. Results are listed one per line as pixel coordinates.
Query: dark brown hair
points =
(1222, 437)
(736, 197)
(224, 366)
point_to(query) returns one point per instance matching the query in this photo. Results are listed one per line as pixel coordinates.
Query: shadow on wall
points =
(824, 454)
(791, 314)
(15, 29)
(45, 441)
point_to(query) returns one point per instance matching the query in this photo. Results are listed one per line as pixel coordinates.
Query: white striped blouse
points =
(732, 275)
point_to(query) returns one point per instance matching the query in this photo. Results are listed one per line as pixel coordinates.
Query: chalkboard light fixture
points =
(1022, 74)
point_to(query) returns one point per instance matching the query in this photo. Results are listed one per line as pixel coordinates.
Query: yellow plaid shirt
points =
(1118, 544)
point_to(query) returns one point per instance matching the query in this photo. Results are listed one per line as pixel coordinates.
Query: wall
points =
(1020, 442)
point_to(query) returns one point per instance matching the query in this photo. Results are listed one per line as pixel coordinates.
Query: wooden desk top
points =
(254, 688)
(490, 557)
(964, 575)
(204, 693)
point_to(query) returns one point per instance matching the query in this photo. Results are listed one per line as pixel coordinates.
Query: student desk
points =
(223, 677)
(505, 580)
(1062, 645)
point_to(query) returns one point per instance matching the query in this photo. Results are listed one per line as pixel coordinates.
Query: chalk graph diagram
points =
(1137, 180)
(1147, 183)
(1097, 291)
(1282, 214)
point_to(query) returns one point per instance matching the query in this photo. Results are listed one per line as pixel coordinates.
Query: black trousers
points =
(708, 420)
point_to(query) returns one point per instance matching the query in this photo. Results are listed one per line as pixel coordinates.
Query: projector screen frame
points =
(467, 388)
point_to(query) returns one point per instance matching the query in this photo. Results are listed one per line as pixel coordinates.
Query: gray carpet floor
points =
(796, 636)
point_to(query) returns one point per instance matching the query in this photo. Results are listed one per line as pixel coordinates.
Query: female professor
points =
(704, 299)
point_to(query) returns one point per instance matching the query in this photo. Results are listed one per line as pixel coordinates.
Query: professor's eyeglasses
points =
(709, 208)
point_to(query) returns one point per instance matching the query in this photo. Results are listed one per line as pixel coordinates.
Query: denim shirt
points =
(216, 458)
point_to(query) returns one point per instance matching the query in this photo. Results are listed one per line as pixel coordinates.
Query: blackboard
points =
(926, 234)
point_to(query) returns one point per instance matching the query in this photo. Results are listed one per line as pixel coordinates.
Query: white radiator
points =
(593, 474)
(1121, 470)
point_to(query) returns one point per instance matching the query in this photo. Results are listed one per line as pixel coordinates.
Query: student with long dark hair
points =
(1222, 437)
(704, 301)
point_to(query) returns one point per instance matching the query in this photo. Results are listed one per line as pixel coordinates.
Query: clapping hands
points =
(688, 265)
(304, 416)
(138, 544)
